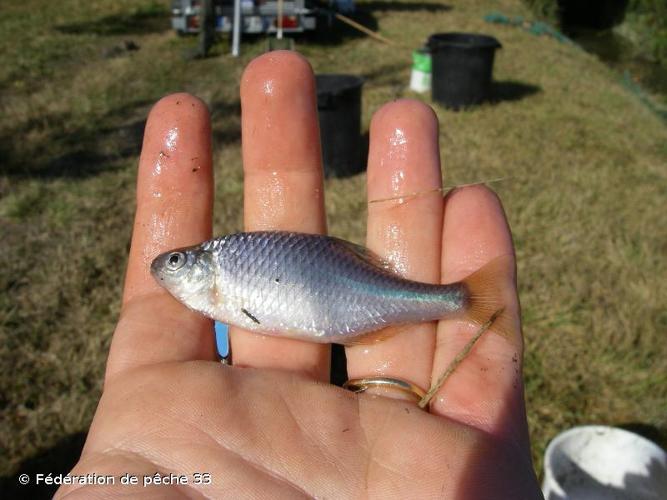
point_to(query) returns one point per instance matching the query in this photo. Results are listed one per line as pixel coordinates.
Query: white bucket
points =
(598, 462)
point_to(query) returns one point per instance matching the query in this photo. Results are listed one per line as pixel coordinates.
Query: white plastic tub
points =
(598, 462)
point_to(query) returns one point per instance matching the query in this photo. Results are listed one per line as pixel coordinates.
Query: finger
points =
(486, 389)
(174, 209)
(283, 186)
(403, 158)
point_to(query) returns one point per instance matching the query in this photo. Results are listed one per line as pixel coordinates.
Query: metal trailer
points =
(257, 16)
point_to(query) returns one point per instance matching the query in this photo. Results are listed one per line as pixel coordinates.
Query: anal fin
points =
(376, 336)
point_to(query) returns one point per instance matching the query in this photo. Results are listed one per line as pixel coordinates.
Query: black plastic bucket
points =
(339, 110)
(462, 66)
(591, 14)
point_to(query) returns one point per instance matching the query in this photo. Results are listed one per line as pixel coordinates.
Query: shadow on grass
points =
(97, 145)
(387, 75)
(151, 19)
(60, 459)
(224, 130)
(406, 6)
(510, 90)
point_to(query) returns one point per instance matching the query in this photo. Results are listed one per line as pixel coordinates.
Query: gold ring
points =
(362, 384)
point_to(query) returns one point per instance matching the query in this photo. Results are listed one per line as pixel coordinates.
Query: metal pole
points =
(279, 36)
(236, 29)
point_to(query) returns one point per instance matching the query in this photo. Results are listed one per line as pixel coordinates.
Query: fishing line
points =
(401, 198)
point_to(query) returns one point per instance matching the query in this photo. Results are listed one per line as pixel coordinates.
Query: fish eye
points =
(175, 261)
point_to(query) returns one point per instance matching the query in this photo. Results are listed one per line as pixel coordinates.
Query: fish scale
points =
(306, 286)
(317, 261)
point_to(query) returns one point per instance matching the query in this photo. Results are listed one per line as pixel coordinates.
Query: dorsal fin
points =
(367, 255)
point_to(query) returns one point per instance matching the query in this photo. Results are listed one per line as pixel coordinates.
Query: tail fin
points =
(488, 289)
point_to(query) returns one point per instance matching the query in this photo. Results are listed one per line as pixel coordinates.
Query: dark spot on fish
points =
(244, 311)
(277, 280)
(407, 410)
(195, 169)
(178, 102)
(346, 429)
(163, 154)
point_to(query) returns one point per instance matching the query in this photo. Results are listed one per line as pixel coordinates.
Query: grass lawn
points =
(584, 163)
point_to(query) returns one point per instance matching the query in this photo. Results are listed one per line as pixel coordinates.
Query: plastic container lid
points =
(463, 41)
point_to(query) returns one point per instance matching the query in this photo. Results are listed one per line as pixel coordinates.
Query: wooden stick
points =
(364, 29)
(457, 360)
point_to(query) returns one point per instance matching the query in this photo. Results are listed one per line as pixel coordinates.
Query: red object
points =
(193, 22)
(288, 22)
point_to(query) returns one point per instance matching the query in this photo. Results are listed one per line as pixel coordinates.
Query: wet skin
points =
(271, 425)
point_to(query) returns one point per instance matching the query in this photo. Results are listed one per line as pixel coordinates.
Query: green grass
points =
(585, 184)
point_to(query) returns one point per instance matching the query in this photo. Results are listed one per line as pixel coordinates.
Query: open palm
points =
(271, 426)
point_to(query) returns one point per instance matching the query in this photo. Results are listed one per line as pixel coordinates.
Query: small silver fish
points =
(315, 288)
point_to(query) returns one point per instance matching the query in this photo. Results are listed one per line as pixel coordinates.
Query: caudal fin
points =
(488, 292)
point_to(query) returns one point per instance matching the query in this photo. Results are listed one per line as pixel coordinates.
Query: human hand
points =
(271, 426)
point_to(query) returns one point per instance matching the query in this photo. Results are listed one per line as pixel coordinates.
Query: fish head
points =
(188, 274)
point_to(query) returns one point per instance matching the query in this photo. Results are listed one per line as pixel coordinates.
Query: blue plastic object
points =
(222, 339)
